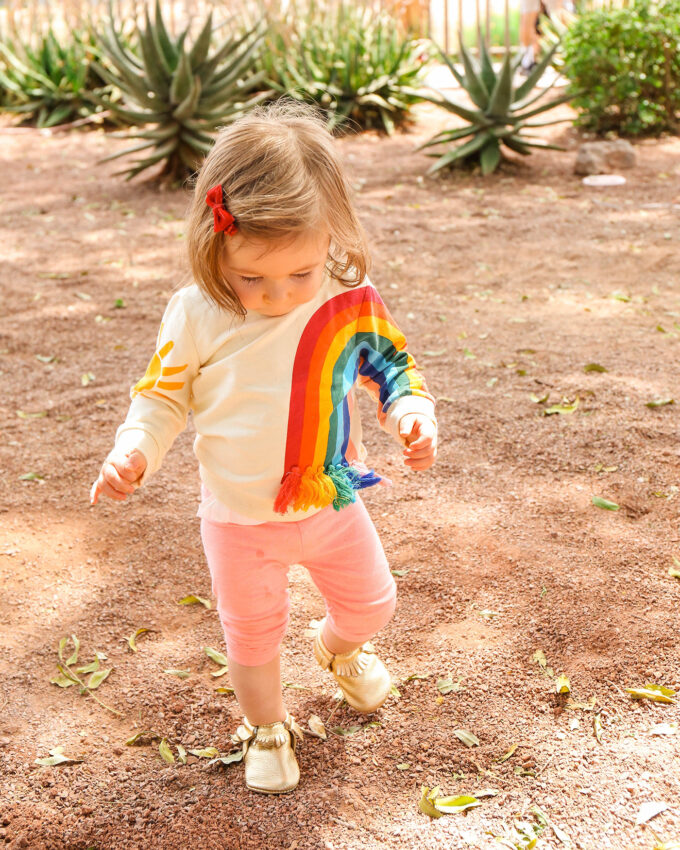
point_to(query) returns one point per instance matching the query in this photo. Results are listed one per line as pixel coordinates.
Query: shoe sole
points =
(268, 791)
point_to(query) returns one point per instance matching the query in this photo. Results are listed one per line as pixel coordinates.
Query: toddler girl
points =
(266, 348)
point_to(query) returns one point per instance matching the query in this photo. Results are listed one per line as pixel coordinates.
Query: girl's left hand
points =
(419, 435)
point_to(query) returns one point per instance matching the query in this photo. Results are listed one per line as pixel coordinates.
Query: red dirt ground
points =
(505, 287)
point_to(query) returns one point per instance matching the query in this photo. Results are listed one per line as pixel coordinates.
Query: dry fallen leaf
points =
(316, 727)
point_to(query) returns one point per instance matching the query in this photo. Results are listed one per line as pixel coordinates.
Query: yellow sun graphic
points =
(151, 382)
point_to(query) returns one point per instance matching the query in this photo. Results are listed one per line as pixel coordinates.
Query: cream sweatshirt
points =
(278, 435)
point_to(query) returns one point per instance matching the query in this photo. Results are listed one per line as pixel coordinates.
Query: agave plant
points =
(184, 93)
(50, 83)
(503, 112)
(354, 61)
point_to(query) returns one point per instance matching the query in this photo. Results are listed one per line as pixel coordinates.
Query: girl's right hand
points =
(119, 476)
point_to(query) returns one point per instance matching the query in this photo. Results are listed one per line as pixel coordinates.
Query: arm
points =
(389, 374)
(159, 409)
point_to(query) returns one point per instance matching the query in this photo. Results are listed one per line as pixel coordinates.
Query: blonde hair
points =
(281, 176)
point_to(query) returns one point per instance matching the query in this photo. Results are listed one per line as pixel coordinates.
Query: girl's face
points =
(273, 278)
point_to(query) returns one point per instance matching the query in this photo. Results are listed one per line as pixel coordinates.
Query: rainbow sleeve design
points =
(351, 334)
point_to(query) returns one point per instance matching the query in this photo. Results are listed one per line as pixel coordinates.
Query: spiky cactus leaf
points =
(459, 77)
(188, 106)
(474, 117)
(490, 156)
(474, 84)
(154, 66)
(462, 151)
(487, 70)
(163, 39)
(182, 79)
(544, 107)
(199, 51)
(501, 96)
(536, 74)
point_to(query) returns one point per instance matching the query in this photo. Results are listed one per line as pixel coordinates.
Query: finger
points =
(418, 455)
(424, 463)
(133, 467)
(94, 492)
(117, 482)
(420, 443)
(112, 493)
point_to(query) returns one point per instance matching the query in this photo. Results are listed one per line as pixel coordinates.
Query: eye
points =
(302, 275)
(250, 279)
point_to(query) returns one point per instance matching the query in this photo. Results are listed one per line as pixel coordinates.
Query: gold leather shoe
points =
(271, 766)
(362, 676)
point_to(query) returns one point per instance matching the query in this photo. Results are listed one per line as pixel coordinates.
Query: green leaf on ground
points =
(146, 733)
(230, 758)
(509, 754)
(57, 757)
(351, 730)
(597, 727)
(97, 678)
(594, 367)
(62, 681)
(166, 752)
(132, 640)
(205, 753)
(448, 686)
(74, 655)
(539, 399)
(426, 802)
(454, 805)
(41, 414)
(656, 693)
(564, 408)
(316, 727)
(216, 656)
(659, 402)
(560, 834)
(192, 599)
(181, 674)
(466, 737)
(562, 684)
(599, 502)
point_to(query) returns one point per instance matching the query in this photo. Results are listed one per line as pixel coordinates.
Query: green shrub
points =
(179, 94)
(355, 62)
(626, 65)
(501, 113)
(49, 84)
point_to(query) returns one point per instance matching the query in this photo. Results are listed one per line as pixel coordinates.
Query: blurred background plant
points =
(179, 95)
(626, 65)
(357, 63)
(502, 115)
(49, 80)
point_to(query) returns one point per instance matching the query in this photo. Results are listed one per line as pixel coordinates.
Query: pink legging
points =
(249, 569)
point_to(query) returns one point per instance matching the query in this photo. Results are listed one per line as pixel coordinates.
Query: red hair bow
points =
(224, 220)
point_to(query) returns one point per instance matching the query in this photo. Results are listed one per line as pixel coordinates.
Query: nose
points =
(276, 292)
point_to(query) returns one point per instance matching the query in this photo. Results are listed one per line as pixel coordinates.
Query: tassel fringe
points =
(317, 488)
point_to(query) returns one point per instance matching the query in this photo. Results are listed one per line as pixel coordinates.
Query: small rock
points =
(604, 157)
(118, 750)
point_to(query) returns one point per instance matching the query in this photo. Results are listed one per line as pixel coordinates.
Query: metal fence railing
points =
(446, 21)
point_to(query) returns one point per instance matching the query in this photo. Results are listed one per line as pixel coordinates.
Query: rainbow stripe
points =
(351, 334)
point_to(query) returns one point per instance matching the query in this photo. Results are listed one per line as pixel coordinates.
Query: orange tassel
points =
(290, 487)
